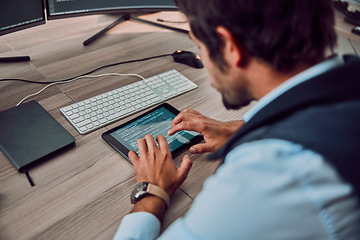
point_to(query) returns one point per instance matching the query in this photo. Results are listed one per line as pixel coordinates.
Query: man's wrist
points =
(143, 189)
(235, 125)
(159, 192)
(151, 204)
(150, 198)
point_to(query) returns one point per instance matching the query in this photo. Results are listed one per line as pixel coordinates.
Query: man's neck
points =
(263, 78)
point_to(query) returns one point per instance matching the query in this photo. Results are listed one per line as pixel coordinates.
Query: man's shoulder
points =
(266, 178)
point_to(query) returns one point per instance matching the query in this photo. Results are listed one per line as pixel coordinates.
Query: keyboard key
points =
(83, 123)
(68, 108)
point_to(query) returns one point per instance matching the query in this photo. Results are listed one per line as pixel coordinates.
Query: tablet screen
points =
(156, 122)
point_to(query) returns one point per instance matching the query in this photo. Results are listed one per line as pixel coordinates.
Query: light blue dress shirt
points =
(281, 191)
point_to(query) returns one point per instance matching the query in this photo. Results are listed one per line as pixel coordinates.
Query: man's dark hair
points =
(282, 33)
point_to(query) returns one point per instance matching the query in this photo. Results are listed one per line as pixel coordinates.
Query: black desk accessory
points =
(356, 30)
(30, 135)
(15, 59)
(350, 17)
(189, 58)
(341, 6)
(127, 17)
(353, 18)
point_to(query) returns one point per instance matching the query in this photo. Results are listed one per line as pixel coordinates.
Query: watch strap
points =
(157, 191)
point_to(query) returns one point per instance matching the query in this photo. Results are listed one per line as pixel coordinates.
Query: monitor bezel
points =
(140, 10)
(28, 25)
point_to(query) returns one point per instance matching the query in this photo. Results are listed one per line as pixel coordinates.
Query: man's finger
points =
(189, 110)
(142, 146)
(133, 156)
(163, 144)
(186, 125)
(184, 168)
(178, 119)
(150, 142)
(201, 148)
(184, 115)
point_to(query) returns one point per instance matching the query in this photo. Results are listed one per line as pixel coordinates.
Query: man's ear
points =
(234, 53)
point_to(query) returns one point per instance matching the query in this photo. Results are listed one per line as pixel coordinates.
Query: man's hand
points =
(215, 133)
(155, 164)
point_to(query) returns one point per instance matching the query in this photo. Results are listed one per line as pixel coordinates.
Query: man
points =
(291, 167)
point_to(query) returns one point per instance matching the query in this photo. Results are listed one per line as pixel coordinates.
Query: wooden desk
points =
(347, 41)
(84, 193)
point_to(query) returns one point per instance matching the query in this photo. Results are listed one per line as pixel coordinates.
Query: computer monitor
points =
(20, 14)
(16, 15)
(69, 8)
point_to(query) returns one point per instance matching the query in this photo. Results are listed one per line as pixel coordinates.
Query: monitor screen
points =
(20, 14)
(69, 8)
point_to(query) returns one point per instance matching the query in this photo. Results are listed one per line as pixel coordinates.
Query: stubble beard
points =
(243, 99)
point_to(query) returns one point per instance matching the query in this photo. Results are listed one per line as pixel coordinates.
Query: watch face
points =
(138, 192)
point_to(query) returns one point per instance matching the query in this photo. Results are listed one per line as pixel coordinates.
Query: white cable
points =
(85, 76)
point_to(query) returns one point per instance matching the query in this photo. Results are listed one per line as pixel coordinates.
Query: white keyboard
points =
(109, 107)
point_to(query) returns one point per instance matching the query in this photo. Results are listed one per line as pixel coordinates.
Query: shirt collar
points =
(312, 72)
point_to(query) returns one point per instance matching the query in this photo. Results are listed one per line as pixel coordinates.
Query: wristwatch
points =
(144, 188)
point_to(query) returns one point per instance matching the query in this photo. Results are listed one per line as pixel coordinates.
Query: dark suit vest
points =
(321, 114)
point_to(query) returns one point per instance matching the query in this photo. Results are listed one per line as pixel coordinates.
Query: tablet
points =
(155, 122)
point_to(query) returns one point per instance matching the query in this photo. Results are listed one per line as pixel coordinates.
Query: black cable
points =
(92, 71)
(29, 179)
(167, 21)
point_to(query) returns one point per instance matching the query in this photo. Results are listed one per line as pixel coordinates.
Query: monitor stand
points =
(127, 17)
(14, 59)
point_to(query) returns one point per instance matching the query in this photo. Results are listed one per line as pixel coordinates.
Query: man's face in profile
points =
(231, 85)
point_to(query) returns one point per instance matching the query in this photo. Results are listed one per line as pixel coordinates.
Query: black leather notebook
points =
(29, 134)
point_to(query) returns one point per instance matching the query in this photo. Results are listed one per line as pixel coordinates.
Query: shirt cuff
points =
(138, 225)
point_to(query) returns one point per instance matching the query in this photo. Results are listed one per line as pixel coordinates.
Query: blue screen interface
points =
(155, 123)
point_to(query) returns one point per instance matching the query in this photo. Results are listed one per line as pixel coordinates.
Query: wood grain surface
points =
(84, 192)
